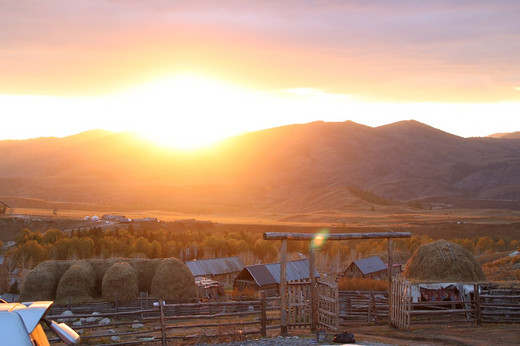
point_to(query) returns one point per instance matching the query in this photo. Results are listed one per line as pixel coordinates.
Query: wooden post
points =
(283, 288)
(369, 317)
(476, 297)
(163, 327)
(390, 272)
(263, 315)
(312, 276)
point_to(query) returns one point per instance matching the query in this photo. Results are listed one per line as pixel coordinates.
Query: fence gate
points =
(299, 304)
(400, 302)
(328, 304)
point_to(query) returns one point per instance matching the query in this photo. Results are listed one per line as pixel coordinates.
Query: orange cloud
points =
(430, 52)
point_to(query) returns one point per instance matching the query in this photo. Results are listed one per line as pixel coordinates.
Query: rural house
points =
(221, 269)
(115, 218)
(367, 268)
(267, 276)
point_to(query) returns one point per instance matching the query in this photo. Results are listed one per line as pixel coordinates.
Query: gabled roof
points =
(267, 274)
(370, 265)
(215, 266)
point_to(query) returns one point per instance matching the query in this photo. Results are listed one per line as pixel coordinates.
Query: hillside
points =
(296, 168)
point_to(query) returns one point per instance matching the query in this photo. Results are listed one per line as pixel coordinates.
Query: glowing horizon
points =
(190, 73)
(189, 111)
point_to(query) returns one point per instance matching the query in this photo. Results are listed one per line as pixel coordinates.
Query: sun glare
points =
(188, 112)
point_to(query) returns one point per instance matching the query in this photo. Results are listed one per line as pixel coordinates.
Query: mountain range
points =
(295, 168)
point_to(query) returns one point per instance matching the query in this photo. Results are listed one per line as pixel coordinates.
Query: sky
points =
(188, 73)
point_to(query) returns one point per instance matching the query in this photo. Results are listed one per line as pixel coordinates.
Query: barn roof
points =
(370, 265)
(215, 266)
(267, 274)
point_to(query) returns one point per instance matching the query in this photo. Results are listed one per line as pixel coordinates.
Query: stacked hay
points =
(41, 282)
(77, 284)
(120, 283)
(145, 269)
(173, 281)
(442, 261)
(100, 268)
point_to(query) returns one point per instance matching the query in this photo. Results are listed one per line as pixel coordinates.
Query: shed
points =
(221, 269)
(367, 268)
(267, 276)
(209, 289)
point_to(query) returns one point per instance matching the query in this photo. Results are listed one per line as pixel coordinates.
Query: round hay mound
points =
(145, 269)
(120, 283)
(443, 261)
(101, 266)
(42, 281)
(173, 281)
(77, 284)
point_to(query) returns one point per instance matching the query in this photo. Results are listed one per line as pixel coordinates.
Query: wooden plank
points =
(312, 276)
(263, 316)
(335, 236)
(283, 287)
(390, 270)
(163, 330)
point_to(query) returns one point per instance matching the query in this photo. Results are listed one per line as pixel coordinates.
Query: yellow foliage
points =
(347, 284)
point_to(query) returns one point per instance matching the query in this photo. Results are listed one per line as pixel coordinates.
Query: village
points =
(168, 300)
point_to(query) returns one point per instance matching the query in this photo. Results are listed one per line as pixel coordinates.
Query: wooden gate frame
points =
(400, 303)
(328, 304)
(299, 296)
(312, 271)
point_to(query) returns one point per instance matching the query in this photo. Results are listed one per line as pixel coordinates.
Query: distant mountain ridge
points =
(295, 168)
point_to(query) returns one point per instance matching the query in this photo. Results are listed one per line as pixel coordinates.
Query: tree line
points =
(33, 247)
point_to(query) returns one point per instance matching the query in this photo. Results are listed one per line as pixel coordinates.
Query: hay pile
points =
(145, 269)
(100, 268)
(77, 284)
(442, 261)
(41, 282)
(173, 281)
(120, 283)
(112, 279)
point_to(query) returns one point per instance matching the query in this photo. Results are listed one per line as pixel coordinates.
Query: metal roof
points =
(370, 265)
(215, 266)
(267, 274)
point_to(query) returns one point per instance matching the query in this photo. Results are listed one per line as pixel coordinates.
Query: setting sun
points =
(187, 111)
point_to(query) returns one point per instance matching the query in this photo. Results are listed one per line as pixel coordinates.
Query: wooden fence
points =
(488, 303)
(363, 307)
(199, 322)
(146, 320)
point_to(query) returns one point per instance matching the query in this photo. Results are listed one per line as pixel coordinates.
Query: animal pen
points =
(473, 303)
(321, 309)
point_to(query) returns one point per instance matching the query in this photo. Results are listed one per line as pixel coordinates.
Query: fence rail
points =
(486, 304)
(147, 320)
(171, 322)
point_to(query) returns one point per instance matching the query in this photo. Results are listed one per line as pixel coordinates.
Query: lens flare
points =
(319, 239)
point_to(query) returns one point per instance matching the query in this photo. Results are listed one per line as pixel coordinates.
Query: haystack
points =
(42, 281)
(101, 266)
(443, 261)
(77, 284)
(145, 269)
(173, 281)
(120, 283)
